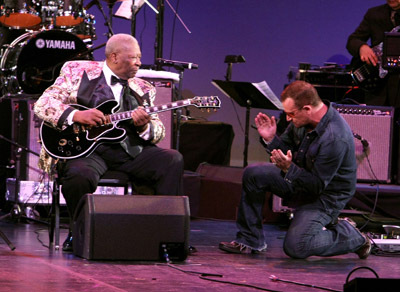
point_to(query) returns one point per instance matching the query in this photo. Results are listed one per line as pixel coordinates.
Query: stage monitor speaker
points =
(372, 127)
(132, 227)
(371, 285)
(165, 89)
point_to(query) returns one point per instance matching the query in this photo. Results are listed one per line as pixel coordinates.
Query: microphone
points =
(171, 63)
(364, 142)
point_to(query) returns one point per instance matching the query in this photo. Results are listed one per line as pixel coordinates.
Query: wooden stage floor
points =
(33, 267)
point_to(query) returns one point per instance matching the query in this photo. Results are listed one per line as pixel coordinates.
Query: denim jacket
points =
(324, 162)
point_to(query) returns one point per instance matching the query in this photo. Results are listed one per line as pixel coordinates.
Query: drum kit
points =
(37, 38)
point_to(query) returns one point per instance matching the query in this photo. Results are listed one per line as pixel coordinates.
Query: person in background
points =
(382, 90)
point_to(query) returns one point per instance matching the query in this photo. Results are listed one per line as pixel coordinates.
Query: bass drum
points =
(34, 59)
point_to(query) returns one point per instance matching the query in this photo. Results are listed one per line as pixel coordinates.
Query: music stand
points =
(249, 95)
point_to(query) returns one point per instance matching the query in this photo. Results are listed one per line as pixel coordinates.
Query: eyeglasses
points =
(293, 113)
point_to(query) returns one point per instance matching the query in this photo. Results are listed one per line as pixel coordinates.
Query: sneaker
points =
(365, 250)
(235, 247)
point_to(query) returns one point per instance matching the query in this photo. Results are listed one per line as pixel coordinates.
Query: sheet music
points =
(247, 94)
(264, 88)
(125, 9)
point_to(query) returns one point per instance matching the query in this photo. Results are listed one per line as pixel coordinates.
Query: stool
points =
(117, 178)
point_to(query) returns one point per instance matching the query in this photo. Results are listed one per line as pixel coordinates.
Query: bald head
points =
(119, 42)
(123, 55)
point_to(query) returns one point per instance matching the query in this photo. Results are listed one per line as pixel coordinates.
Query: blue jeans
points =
(311, 232)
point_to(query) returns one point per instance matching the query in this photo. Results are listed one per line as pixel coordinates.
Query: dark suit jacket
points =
(373, 26)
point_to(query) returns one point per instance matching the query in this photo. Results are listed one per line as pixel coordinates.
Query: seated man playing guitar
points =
(383, 88)
(134, 152)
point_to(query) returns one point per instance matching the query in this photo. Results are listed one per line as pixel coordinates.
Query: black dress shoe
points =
(67, 245)
(192, 249)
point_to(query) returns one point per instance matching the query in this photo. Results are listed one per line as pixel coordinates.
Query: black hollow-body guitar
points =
(78, 140)
(368, 77)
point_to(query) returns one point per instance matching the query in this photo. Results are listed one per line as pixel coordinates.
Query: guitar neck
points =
(121, 116)
(168, 106)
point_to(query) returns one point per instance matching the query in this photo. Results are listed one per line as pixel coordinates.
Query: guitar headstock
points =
(206, 102)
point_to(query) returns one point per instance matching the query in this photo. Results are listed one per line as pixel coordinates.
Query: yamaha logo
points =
(40, 43)
(55, 44)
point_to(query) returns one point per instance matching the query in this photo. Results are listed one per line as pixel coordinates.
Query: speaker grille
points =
(375, 125)
(164, 88)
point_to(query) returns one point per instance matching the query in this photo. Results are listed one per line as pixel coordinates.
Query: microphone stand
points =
(180, 69)
(230, 59)
(18, 152)
(5, 238)
(133, 19)
(54, 224)
(108, 22)
(158, 46)
(2, 235)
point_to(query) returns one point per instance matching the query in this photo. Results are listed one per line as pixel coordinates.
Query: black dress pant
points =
(160, 168)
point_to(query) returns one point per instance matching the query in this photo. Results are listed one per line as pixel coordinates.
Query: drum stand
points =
(108, 21)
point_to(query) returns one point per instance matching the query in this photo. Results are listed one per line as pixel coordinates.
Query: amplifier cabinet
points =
(165, 92)
(17, 112)
(41, 193)
(372, 128)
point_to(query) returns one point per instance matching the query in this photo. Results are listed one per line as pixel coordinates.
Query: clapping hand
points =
(266, 126)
